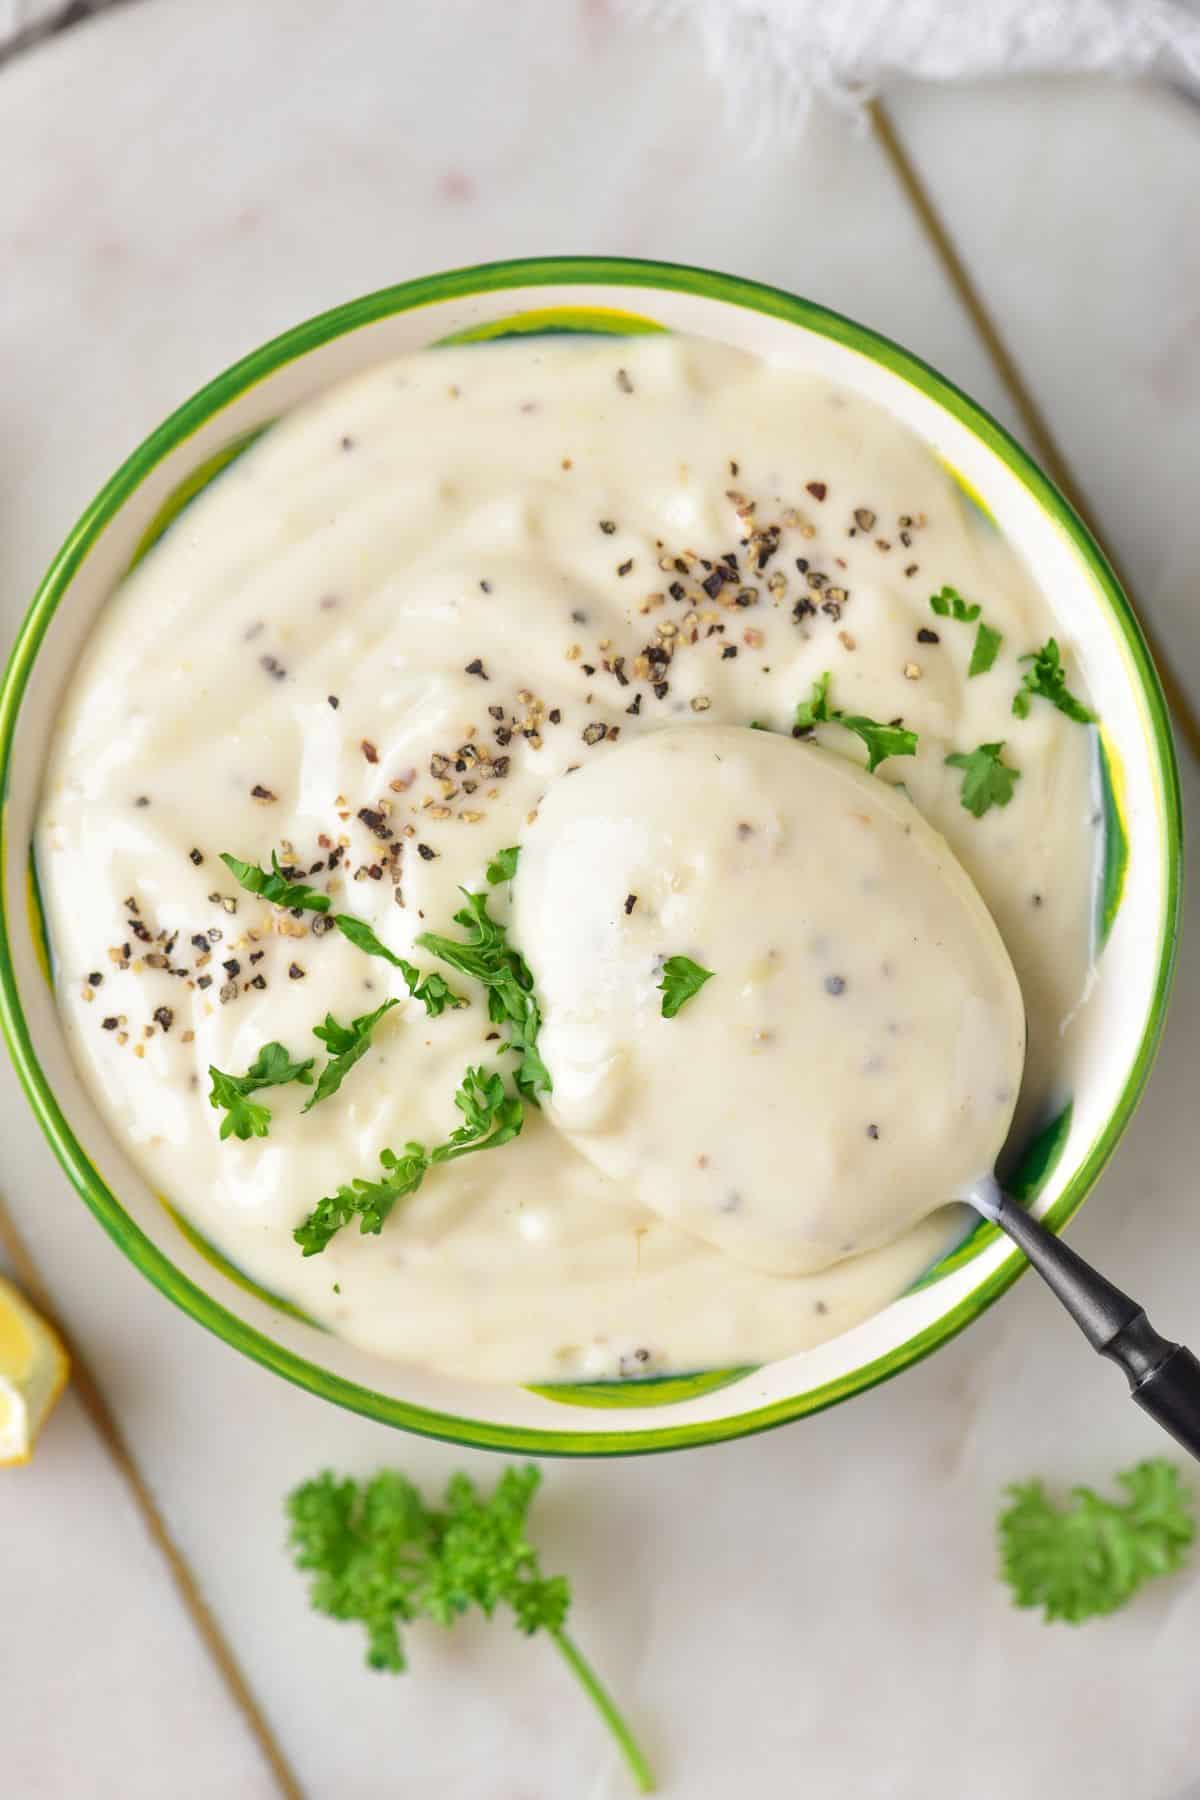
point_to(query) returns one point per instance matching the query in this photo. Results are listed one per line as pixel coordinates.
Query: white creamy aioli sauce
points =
(480, 598)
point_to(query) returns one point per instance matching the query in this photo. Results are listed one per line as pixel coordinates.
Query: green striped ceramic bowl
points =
(1136, 780)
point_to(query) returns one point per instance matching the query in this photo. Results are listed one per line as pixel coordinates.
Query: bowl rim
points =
(221, 391)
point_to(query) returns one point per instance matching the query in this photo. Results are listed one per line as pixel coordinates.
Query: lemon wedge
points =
(33, 1371)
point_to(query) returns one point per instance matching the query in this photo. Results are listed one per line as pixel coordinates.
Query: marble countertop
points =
(814, 1611)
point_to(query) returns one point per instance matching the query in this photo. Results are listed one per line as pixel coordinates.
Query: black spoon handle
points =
(1164, 1378)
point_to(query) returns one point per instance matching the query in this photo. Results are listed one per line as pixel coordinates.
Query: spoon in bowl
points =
(838, 1038)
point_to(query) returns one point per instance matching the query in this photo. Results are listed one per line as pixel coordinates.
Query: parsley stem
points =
(606, 1707)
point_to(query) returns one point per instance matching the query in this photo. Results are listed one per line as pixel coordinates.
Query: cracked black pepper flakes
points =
(425, 853)
(817, 489)
(607, 526)
(925, 636)
(196, 856)
(369, 751)
(475, 667)
(630, 902)
(109, 1024)
(295, 972)
(164, 1016)
(728, 652)
(333, 701)
(835, 984)
(595, 732)
(625, 567)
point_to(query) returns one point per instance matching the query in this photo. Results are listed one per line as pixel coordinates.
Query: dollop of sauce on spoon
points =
(853, 1059)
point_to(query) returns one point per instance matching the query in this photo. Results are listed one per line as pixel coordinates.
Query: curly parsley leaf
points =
(881, 741)
(948, 603)
(369, 1202)
(1048, 678)
(503, 867)
(1080, 1561)
(987, 781)
(682, 978)
(376, 1554)
(985, 650)
(432, 991)
(491, 1117)
(487, 957)
(246, 1118)
(346, 1044)
(274, 884)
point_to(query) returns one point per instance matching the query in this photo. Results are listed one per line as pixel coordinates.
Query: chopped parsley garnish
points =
(881, 741)
(490, 959)
(491, 1117)
(346, 1044)
(378, 1556)
(504, 866)
(246, 1118)
(986, 649)
(682, 978)
(949, 604)
(1048, 678)
(274, 885)
(1089, 1558)
(433, 991)
(987, 781)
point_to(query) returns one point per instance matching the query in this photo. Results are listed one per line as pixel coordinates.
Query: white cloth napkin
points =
(773, 57)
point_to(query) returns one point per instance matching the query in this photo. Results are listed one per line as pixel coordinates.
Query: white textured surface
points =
(104, 1683)
(813, 1611)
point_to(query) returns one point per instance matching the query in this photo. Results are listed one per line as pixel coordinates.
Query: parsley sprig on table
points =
(881, 741)
(491, 1117)
(682, 978)
(1089, 1558)
(246, 1118)
(1048, 678)
(377, 1554)
(487, 956)
(987, 781)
